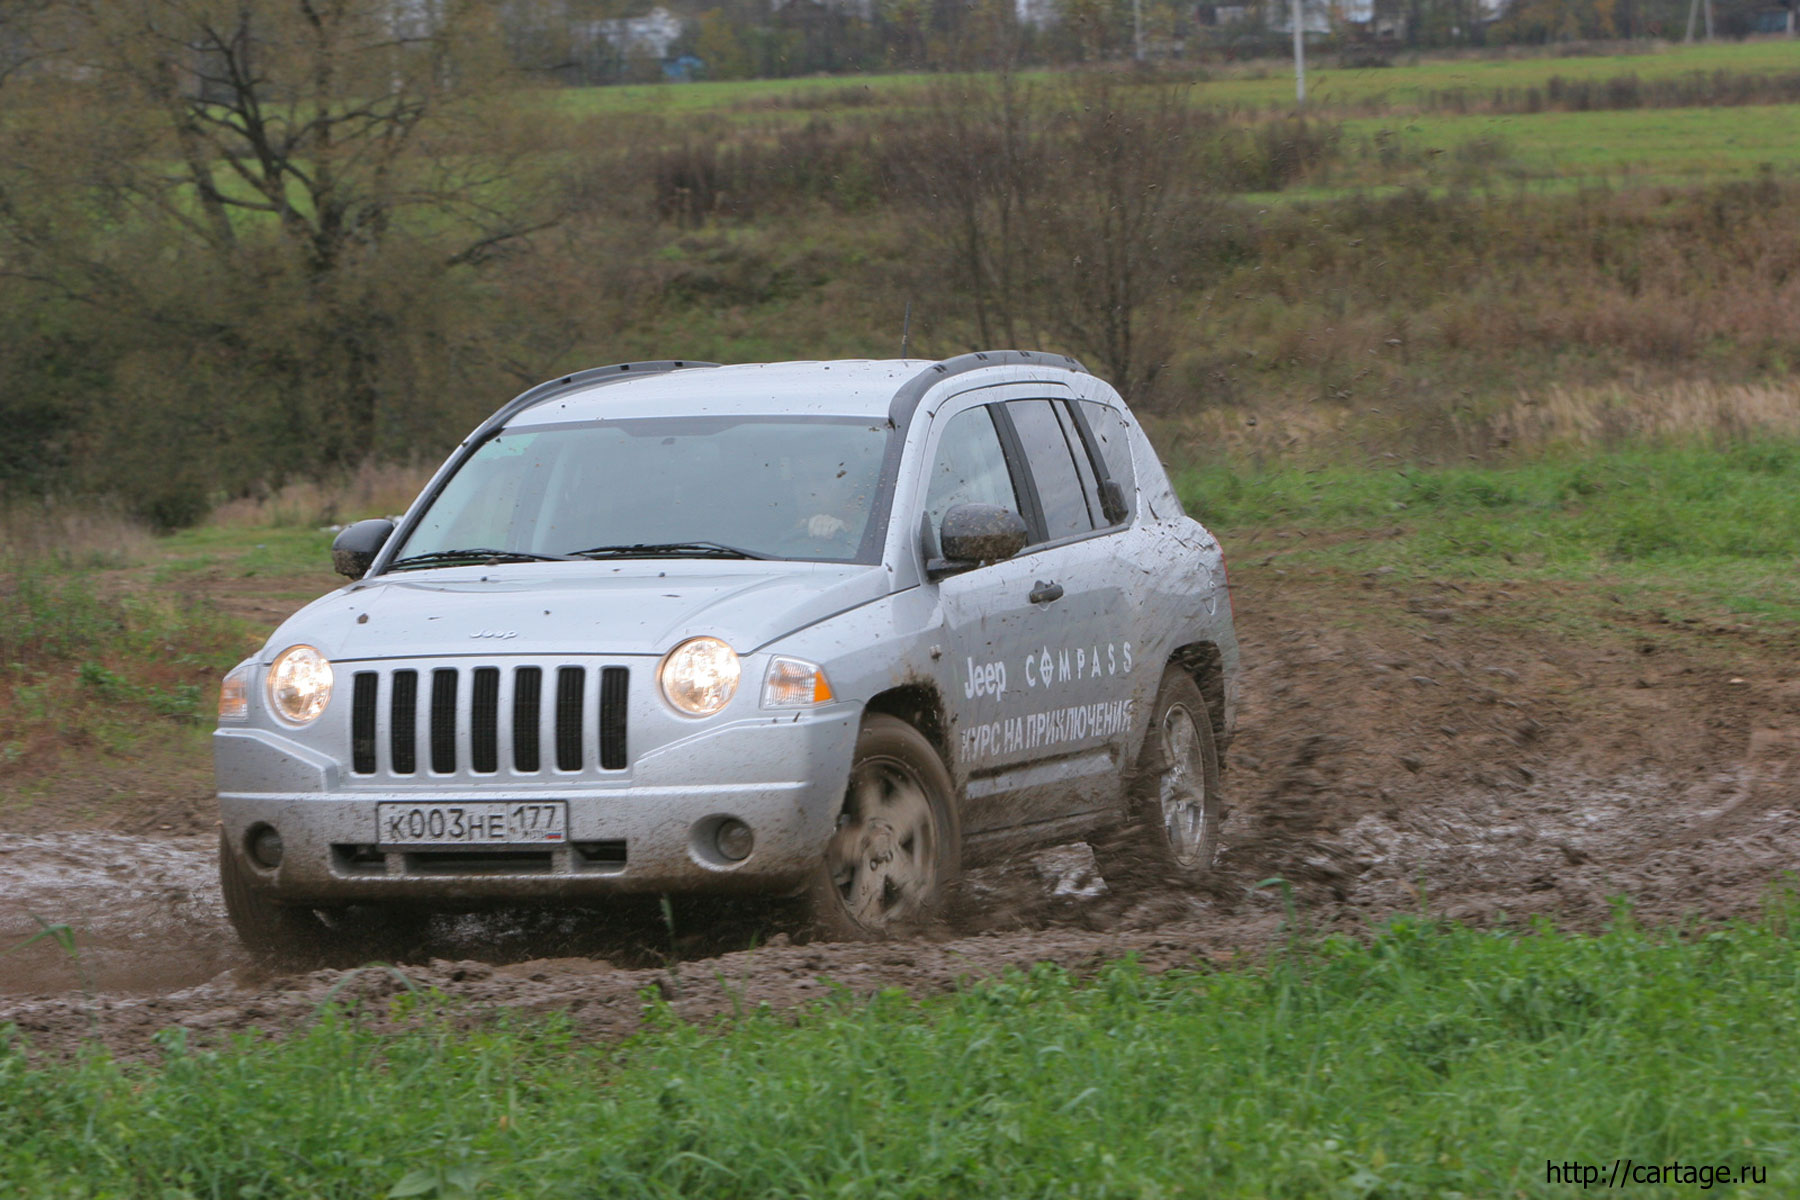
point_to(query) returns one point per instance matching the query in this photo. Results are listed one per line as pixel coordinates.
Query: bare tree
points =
(1063, 212)
(284, 186)
(26, 35)
(975, 166)
(334, 117)
(1133, 198)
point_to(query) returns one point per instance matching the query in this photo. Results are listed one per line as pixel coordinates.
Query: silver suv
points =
(826, 630)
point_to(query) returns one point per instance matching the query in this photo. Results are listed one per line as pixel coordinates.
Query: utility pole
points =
(1299, 58)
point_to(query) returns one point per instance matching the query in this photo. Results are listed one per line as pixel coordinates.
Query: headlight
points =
(795, 683)
(234, 693)
(699, 676)
(300, 684)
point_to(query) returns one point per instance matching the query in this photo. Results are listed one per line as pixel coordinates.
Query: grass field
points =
(1430, 1060)
(1643, 146)
(1251, 86)
(1689, 532)
(1633, 147)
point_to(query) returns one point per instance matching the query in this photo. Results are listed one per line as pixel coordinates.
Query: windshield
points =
(739, 487)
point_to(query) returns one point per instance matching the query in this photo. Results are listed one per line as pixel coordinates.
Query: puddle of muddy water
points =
(144, 913)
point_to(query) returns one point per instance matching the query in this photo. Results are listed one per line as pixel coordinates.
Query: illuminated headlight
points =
(795, 683)
(700, 676)
(300, 684)
(234, 693)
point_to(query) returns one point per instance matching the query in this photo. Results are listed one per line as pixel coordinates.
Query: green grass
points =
(1256, 86)
(1406, 84)
(1716, 528)
(724, 96)
(1432, 1060)
(248, 552)
(83, 666)
(1670, 145)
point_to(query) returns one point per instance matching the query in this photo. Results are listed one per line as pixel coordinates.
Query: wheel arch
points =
(919, 705)
(1205, 664)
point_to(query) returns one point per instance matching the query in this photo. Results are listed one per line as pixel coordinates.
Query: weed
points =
(1424, 1059)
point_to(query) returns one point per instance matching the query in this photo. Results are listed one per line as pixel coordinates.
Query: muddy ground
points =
(1401, 747)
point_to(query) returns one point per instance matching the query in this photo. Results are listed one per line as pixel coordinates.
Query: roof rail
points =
(907, 399)
(616, 373)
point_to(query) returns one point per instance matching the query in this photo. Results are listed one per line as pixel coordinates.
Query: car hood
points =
(639, 607)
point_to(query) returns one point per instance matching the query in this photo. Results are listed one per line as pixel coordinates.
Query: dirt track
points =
(1415, 756)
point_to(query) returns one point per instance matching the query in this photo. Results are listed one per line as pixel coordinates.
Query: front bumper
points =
(649, 832)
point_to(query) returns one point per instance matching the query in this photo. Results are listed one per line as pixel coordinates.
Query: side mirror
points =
(355, 548)
(978, 533)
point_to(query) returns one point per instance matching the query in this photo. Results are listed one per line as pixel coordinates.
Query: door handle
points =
(1044, 593)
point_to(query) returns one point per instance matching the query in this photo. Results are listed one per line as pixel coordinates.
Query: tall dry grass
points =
(372, 490)
(72, 535)
(1551, 420)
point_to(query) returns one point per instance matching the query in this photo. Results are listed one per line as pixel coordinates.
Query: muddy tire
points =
(268, 929)
(897, 849)
(1174, 800)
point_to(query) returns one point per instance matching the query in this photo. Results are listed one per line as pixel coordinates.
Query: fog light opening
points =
(733, 840)
(265, 847)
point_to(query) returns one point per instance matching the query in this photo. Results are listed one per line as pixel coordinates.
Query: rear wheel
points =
(896, 849)
(1175, 798)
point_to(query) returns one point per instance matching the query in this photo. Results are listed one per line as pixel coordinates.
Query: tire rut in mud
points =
(1481, 777)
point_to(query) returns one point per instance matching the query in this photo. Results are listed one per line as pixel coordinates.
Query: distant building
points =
(685, 69)
(649, 36)
(1315, 17)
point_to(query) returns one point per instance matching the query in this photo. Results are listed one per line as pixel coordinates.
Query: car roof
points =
(857, 388)
(849, 388)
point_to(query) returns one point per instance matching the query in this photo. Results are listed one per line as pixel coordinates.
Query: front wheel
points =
(896, 849)
(268, 929)
(1175, 798)
(295, 935)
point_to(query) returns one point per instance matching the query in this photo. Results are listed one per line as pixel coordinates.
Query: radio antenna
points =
(905, 328)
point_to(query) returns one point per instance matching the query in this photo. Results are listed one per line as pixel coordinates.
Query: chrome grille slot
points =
(571, 683)
(528, 686)
(404, 730)
(362, 722)
(615, 692)
(443, 721)
(484, 721)
(490, 720)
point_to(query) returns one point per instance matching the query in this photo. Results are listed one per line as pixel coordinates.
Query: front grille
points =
(570, 683)
(484, 722)
(362, 722)
(405, 721)
(475, 725)
(480, 862)
(443, 721)
(361, 859)
(528, 684)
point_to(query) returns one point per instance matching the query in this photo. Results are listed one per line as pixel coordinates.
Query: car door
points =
(1035, 725)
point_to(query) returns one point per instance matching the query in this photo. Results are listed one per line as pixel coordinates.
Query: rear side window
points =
(1052, 463)
(1112, 439)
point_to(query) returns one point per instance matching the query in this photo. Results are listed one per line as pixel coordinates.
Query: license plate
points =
(493, 823)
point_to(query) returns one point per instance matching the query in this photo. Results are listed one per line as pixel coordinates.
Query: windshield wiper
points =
(440, 558)
(667, 550)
